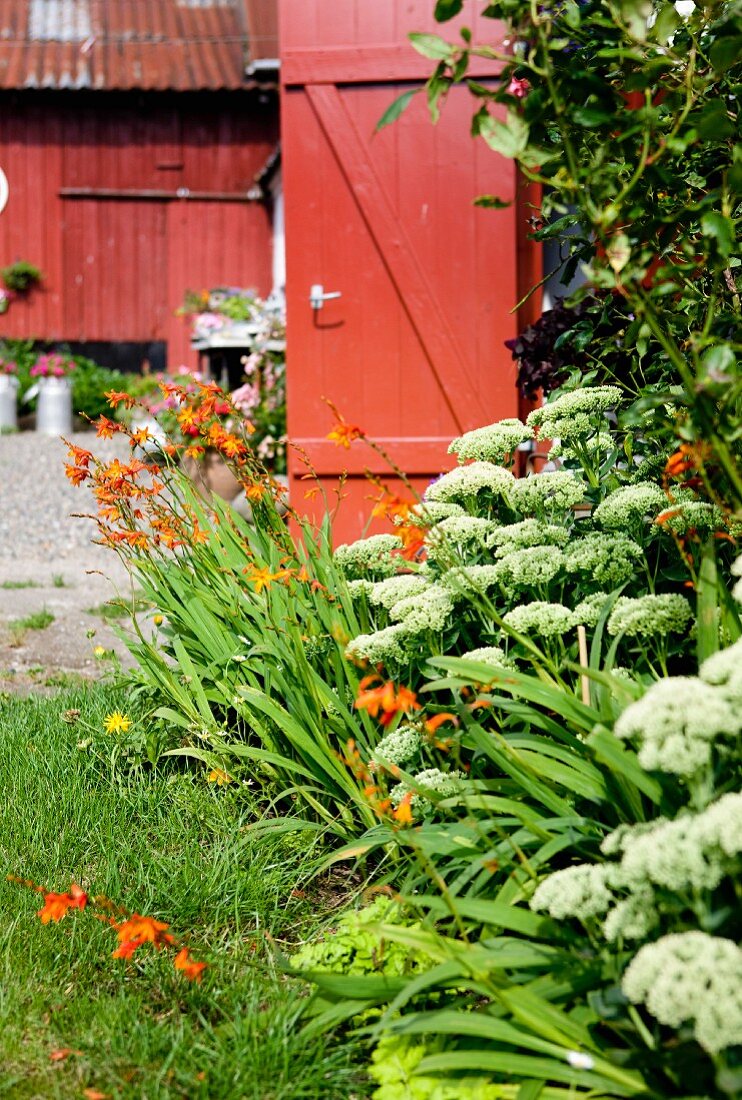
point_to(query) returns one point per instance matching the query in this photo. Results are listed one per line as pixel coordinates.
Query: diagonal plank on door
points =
(417, 298)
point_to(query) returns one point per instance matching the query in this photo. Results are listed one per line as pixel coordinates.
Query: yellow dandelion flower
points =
(99, 651)
(219, 777)
(116, 722)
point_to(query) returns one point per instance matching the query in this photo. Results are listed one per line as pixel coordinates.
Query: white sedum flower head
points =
(368, 558)
(589, 610)
(693, 515)
(471, 579)
(532, 566)
(390, 591)
(547, 492)
(579, 891)
(528, 532)
(539, 617)
(432, 781)
(630, 506)
(491, 655)
(676, 723)
(360, 588)
(724, 670)
(466, 482)
(592, 401)
(607, 558)
(648, 616)
(691, 976)
(494, 443)
(429, 512)
(397, 747)
(430, 610)
(384, 647)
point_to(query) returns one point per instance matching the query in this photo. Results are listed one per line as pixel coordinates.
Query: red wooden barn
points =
(412, 349)
(131, 137)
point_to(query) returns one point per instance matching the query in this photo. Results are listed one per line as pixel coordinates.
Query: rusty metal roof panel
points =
(178, 45)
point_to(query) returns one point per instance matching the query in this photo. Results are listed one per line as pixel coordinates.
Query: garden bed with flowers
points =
(513, 720)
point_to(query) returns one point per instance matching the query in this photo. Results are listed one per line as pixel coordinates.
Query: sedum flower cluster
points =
(397, 747)
(608, 559)
(589, 610)
(630, 506)
(539, 617)
(467, 482)
(536, 565)
(492, 655)
(691, 977)
(388, 592)
(431, 781)
(494, 443)
(676, 723)
(429, 610)
(543, 493)
(574, 414)
(737, 572)
(428, 512)
(472, 578)
(648, 616)
(525, 533)
(383, 647)
(368, 557)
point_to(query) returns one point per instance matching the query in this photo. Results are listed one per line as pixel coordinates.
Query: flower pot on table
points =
(54, 408)
(8, 402)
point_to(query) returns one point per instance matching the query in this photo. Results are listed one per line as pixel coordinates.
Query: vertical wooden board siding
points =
(307, 23)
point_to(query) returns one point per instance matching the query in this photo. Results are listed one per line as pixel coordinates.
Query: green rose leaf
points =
(509, 138)
(432, 46)
(720, 229)
(446, 9)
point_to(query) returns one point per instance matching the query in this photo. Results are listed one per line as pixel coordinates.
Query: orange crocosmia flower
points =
(171, 450)
(255, 492)
(105, 428)
(79, 455)
(262, 578)
(668, 514)
(56, 905)
(385, 701)
(192, 969)
(126, 950)
(413, 541)
(403, 812)
(140, 436)
(119, 397)
(195, 450)
(76, 474)
(140, 929)
(232, 447)
(392, 507)
(343, 434)
(437, 720)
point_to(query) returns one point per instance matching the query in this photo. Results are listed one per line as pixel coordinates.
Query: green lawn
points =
(169, 846)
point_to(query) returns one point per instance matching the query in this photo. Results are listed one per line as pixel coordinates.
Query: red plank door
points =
(412, 350)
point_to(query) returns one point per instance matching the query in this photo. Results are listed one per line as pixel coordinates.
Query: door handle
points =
(317, 296)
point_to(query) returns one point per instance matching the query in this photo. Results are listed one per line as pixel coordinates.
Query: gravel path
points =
(49, 563)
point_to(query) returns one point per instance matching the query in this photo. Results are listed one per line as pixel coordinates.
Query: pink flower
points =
(519, 87)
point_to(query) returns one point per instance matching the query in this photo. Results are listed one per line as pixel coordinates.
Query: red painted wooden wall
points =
(413, 350)
(93, 182)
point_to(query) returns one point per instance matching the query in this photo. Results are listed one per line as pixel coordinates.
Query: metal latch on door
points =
(317, 296)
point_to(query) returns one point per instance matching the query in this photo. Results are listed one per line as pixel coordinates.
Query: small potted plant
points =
(8, 394)
(21, 276)
(52, 371)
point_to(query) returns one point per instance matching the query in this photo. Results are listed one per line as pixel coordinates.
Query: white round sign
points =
(4, 190)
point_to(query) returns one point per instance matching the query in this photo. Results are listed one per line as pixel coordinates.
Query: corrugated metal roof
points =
(181, 45)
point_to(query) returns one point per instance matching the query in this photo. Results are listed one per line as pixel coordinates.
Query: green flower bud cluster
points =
(398, 747)
(360, 588)
(573, 415)
(589, 610)
(433, 511)
(693, 515)
(724, 671)
(691, 977)
(390, 591)
(368, 557)
(532, 566)
(528, 532)
(676, 723)
(466, 482)
(547, 492)
(433, 781)
(449, 537)
(737, 572)
(491, 655)
(607, 559)
(648, 616)
(629, 506)
(472, 578)
(429, 610)
(600, 442)
(539, 617)
(494, 443)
